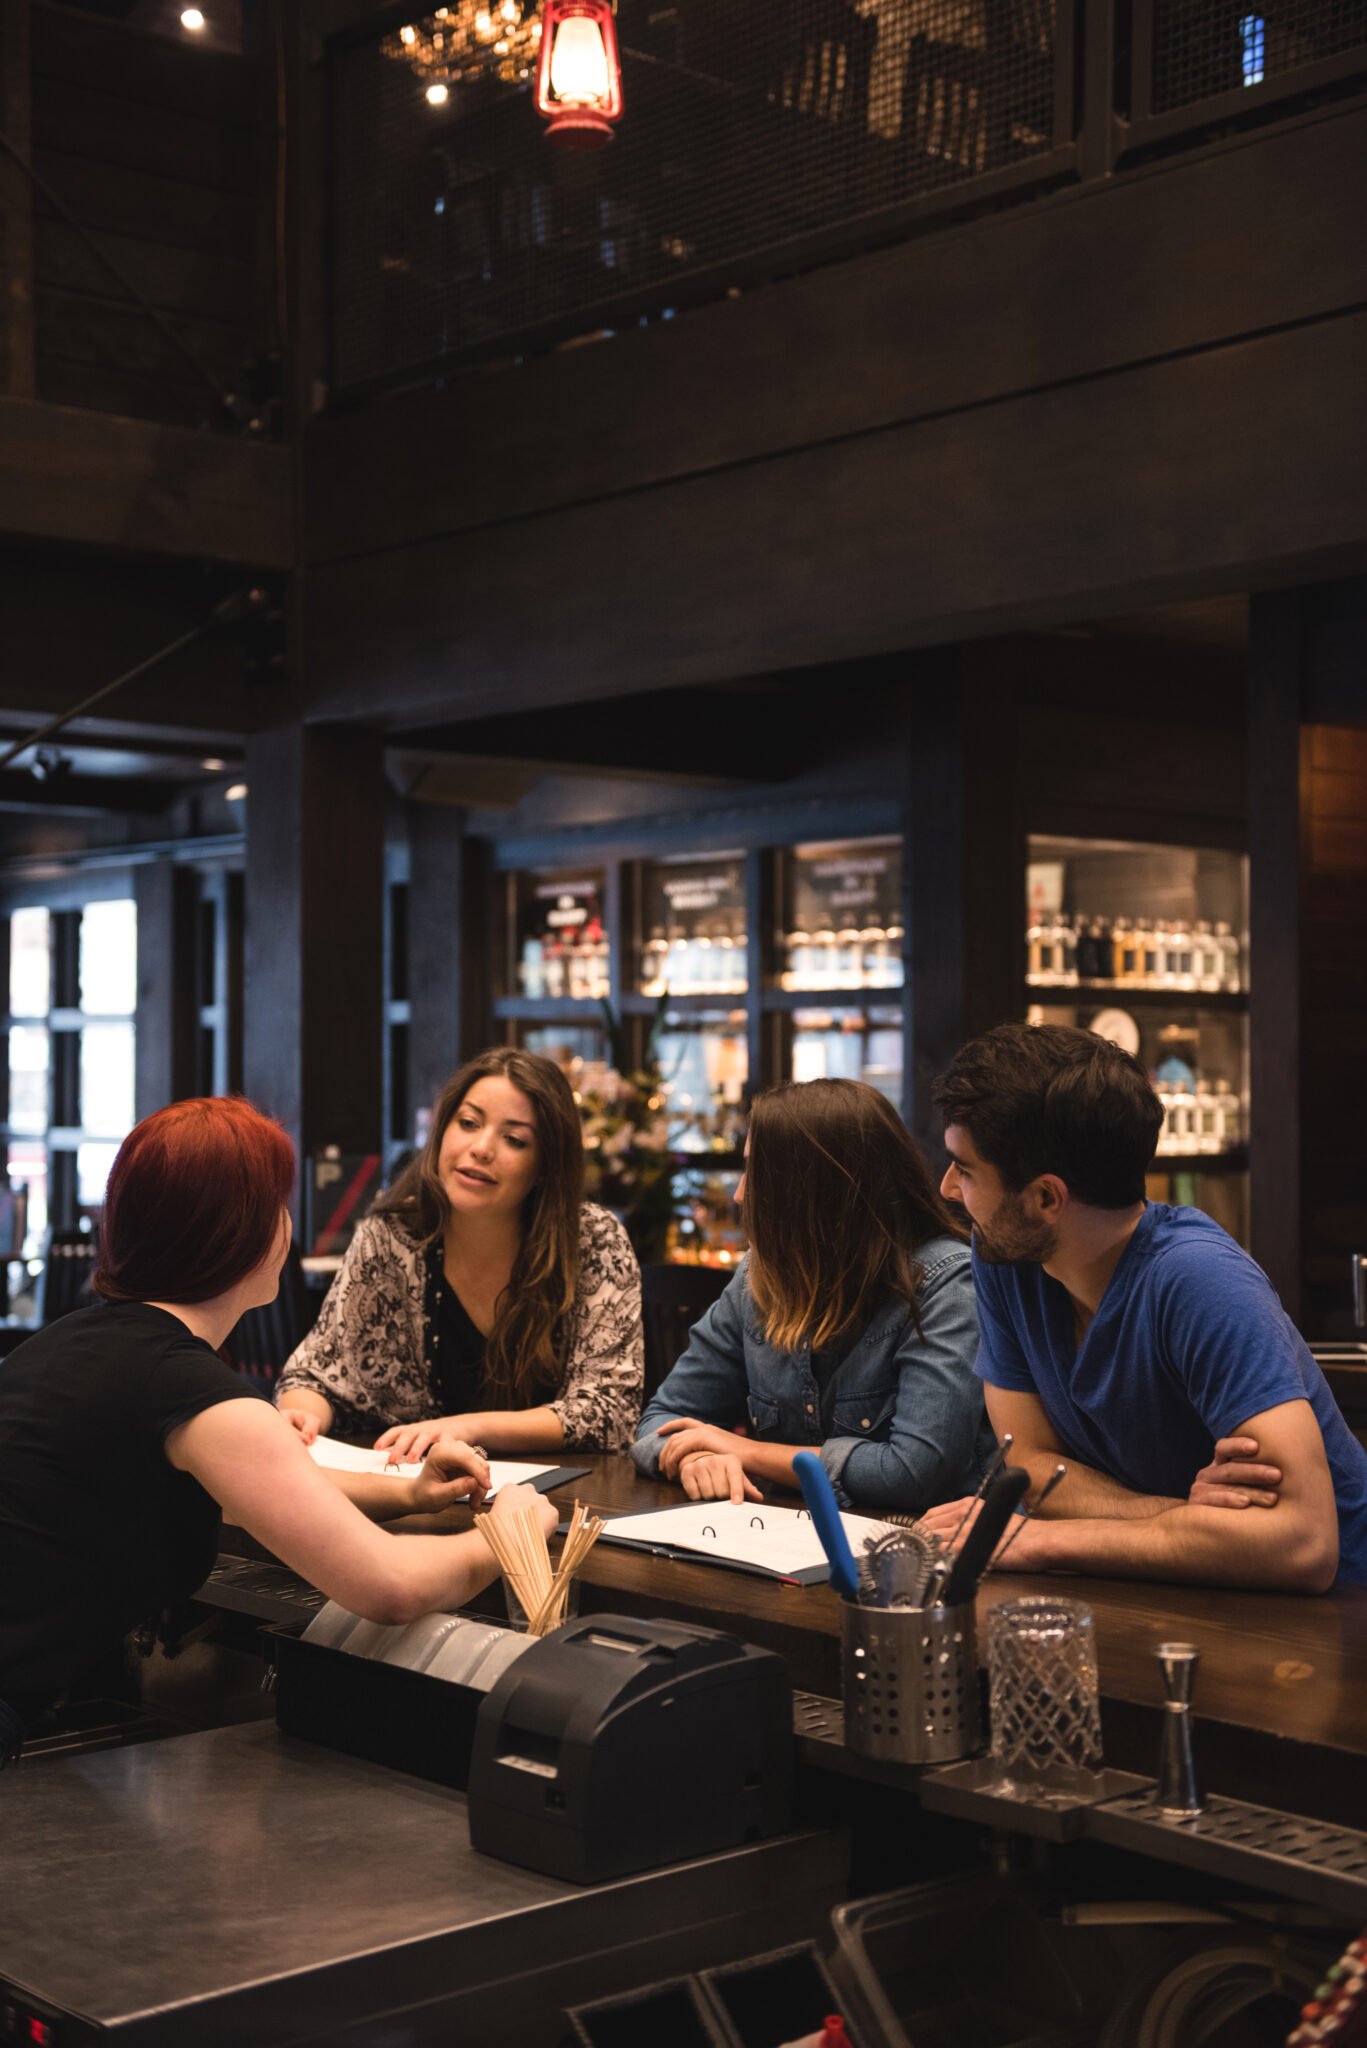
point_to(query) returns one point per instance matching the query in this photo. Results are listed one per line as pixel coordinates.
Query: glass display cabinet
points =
(1147, 944)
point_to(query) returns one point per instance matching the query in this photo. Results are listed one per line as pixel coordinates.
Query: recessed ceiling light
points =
(437, 94)
(193, 19)
(235, 792)
(211, 765)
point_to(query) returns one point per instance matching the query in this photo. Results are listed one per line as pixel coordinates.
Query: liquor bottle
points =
(1145, 954)
(849, 947)
(1206, 959)
(1034, 953)
(678, 971)
(1066, 952)
(873, 946)
(553, 956)
(1231, 979)
(825, 962)
(705, 955)
(653, 962)
(1122, 950)
(895, 963)
(576, 967)
(1229, 1119)
(1162, 951)
(1180, 967)
(531, 972)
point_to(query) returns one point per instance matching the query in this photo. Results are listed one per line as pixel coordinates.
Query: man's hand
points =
(408, 1442)
(686, 1438)
(453, 1474)
(942, 1521)
(716, 1475)
(1234, 1478)
(307, 1425)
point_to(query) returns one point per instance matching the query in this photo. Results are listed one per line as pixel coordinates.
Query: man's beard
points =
(1013, 1240)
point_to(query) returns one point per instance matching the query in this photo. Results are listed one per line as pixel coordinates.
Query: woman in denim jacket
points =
(849, 1328)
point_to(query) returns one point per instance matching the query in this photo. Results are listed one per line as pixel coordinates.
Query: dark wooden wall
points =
(158, 149)
(1098, 400)
(1333, 997)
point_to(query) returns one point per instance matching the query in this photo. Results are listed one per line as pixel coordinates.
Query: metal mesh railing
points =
(750, 127)
(1204, 48)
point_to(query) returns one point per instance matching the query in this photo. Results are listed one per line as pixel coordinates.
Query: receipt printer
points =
(616, 1745)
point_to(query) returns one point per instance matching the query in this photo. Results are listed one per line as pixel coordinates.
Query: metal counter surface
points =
(236, 1885)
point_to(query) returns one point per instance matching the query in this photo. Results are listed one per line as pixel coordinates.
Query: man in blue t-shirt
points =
(1135, 1340)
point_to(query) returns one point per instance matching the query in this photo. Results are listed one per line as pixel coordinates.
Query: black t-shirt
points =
(98, 1530)
(455, 1344)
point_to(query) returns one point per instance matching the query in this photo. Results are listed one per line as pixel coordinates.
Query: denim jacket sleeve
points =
(933, 1449)
(708, 1381)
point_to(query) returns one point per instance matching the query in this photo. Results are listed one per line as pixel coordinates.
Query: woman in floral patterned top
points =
(481, 1298)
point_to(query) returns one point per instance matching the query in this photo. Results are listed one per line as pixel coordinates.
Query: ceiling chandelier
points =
(471, 40)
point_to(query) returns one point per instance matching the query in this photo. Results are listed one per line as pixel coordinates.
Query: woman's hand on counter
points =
(685, 1437)
(453, 1474)
(716, 1475)
(307, 1412)
(1235, 1479)
(411, 1441)
(513, 1501)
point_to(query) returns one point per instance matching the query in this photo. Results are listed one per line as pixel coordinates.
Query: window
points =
(1253, 36)
(73, 988)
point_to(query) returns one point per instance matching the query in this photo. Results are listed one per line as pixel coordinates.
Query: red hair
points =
(193, 1202)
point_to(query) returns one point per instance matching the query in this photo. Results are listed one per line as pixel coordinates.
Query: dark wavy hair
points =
(193, 1201)
(524, 1359)
(1049, 1098)
(838, 1201)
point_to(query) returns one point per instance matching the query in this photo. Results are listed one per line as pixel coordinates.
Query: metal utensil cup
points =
(910, 1682)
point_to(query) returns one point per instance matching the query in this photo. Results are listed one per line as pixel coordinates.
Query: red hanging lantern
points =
(578, 71)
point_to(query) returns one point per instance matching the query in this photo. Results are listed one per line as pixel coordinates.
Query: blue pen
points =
(821, 1504)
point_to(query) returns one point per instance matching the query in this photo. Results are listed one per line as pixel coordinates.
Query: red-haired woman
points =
(123, 1435)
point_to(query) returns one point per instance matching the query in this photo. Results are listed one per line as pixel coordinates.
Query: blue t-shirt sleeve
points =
(1227, 1338)
(1001, 1359)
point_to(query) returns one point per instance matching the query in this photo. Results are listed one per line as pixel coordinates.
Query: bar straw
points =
(519, 1543)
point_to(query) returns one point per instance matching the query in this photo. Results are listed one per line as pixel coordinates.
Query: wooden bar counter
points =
(1281, 1693)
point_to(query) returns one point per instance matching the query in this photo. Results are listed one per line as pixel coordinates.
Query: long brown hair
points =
(524, 1359)
(838, 1200)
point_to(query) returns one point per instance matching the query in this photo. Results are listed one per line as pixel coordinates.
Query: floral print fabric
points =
(370, 1352)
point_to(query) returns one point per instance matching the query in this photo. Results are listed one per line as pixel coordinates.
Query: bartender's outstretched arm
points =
(252, 1462)
(1293, 1548)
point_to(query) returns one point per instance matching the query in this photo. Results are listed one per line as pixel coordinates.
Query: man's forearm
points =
(1083, 1491)
(1203, 1546)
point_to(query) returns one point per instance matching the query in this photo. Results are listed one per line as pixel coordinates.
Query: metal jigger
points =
(1178, 1795)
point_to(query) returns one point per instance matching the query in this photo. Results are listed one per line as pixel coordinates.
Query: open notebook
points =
(781, 1543)
(325, 1450)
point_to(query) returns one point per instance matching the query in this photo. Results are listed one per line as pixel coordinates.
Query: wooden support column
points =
(16, 205)
(964, 873)
(1276, 664)
(167, 1014)
(452, 929)
(1308, 936)
(314, 933)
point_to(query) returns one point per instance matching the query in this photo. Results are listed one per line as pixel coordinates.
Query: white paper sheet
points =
(348, 1458)
(780, 1540)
